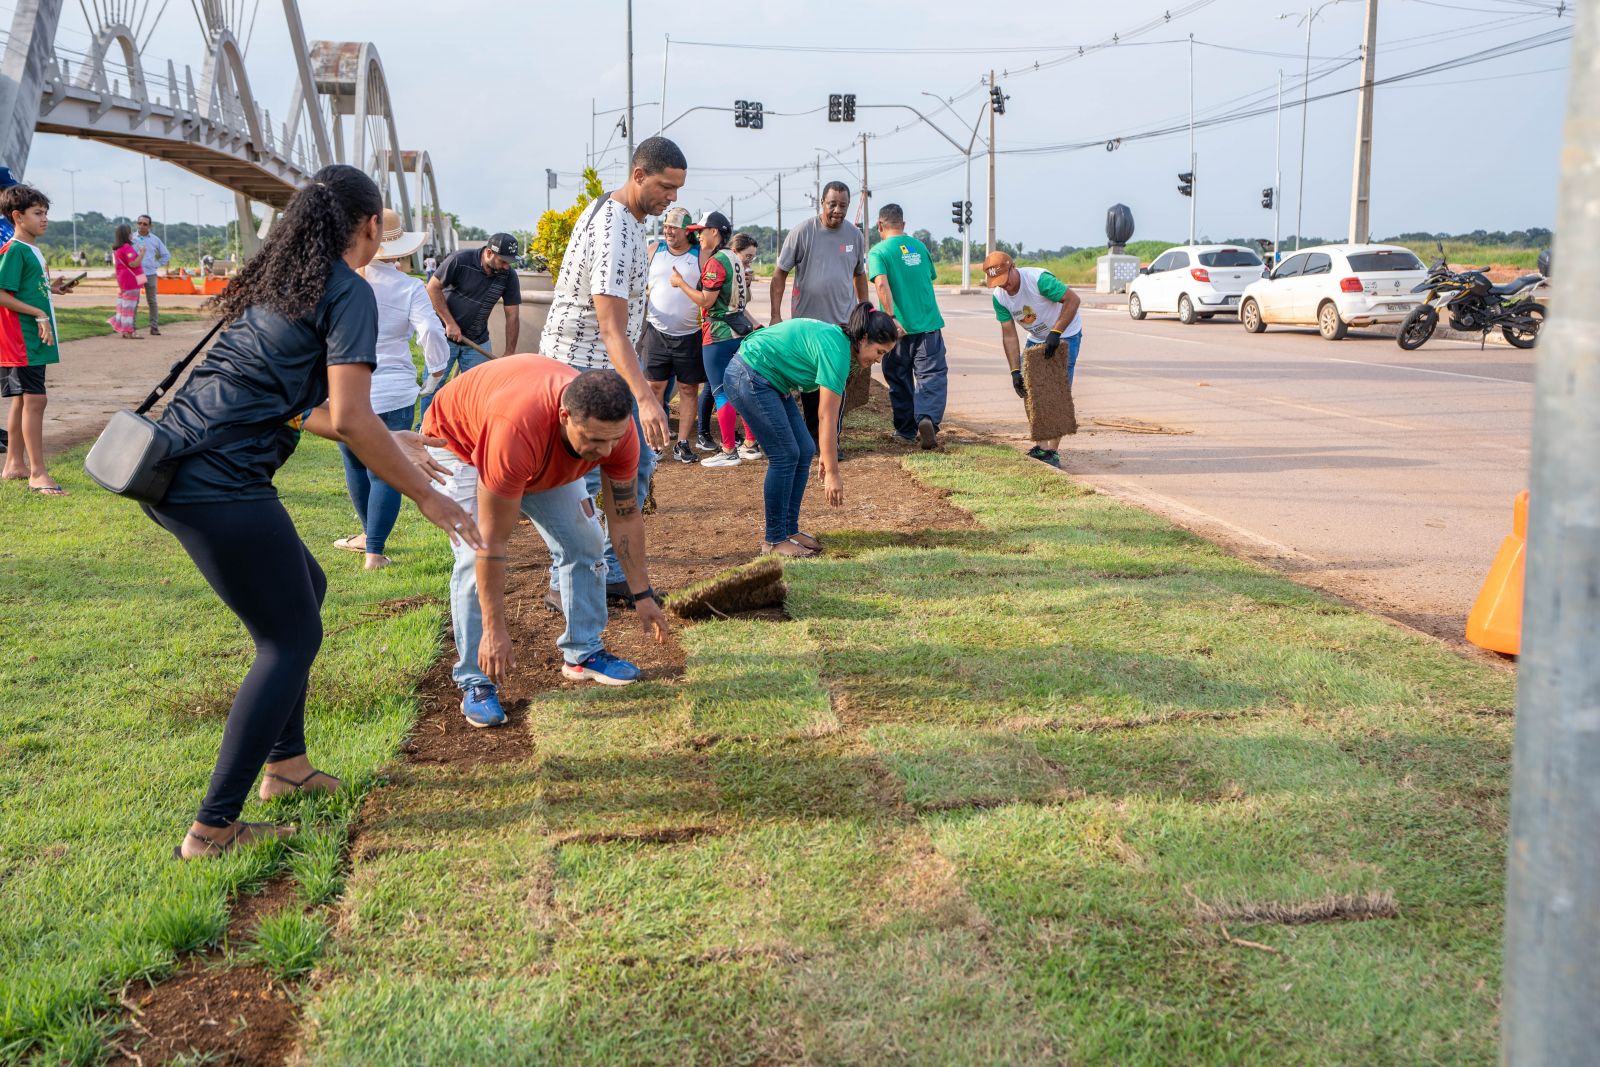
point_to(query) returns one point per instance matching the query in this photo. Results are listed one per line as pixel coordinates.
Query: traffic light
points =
(955, 215)
(835, 107)
(1186, 183)
(741, 114)
(849, 107)
(997, 100)
(969, 214)
(1266, 198)
(755, 115)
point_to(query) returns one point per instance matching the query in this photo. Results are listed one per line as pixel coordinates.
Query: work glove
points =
(1016, 383)
(1051, 343)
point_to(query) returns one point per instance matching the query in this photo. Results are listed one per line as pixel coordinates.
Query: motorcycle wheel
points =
(1417, 327)
(1520, 335)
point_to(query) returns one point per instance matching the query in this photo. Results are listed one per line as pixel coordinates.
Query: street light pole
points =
(1552, 914)
(1305, 101)
(73, 180)
(197, 247)
(1277, 176)
(1194, 182)
(164, 190)
(991, 166)
(122, 187)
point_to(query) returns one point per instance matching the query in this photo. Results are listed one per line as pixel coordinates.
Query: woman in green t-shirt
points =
(801, 355)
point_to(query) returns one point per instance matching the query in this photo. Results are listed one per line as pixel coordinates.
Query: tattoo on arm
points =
(623, 496)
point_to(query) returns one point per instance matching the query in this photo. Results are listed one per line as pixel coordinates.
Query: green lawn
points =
(116, 666)
(1038, 791)
(76, 323)
(1031, 793)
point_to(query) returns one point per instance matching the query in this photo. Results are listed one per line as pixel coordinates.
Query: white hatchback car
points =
(1196, 281)
(1335, 287)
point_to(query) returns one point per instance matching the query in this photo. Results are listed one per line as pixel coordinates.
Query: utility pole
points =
(594, 145)
(1361, 184)
(730, 210)
(1277, 176)
(780, 211)
(1552, 915)
(991, 166)
(1305, 108)
(1193, 169)
(866, 199)
(628, 164)
(73, 180)
(144, 161)
(666, 53)
(819, 182)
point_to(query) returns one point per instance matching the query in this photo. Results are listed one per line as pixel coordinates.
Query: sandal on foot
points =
(244, 833)
(298, 787)
(791, 548)
(349, 545)
(805, 540)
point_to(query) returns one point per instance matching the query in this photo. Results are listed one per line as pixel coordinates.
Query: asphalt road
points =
(1384, 476)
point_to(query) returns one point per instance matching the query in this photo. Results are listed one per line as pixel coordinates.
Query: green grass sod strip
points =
(1118, 731)
(117, 663)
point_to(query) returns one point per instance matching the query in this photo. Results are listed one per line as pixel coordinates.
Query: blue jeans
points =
(461, 356)
(917, 377)
(567, 521)
(591, 484)
(377, 503)
(775, 419)
(717, 356)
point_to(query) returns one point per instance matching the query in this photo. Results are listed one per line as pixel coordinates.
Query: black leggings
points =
(808, 412)
(252, 556)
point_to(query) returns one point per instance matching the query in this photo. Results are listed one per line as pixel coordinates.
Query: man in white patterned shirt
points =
(597, 315)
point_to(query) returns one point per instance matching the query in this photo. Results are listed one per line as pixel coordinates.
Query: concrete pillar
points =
(22, 77)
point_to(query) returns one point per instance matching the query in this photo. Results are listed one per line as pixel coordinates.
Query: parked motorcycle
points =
(1475, 305)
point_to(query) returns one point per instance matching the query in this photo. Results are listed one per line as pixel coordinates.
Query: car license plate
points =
(1398, 307)
(1233, 300)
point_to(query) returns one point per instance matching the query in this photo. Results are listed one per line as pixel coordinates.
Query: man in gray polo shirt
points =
(829, 259)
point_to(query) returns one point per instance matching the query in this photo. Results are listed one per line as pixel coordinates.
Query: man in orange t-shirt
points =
(520, 433)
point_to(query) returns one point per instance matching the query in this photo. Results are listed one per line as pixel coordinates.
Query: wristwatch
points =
(648, 591)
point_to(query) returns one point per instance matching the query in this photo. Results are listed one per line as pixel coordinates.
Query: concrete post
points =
(1550, 994)
(22, 76)
(1361, 184)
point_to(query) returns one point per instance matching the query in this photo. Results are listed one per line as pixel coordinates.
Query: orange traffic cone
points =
(1496, 619)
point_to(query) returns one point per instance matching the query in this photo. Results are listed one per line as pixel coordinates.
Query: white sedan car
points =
(1196, 281)
(1335, 287)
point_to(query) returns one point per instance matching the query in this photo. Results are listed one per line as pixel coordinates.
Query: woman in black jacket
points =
(297, 354)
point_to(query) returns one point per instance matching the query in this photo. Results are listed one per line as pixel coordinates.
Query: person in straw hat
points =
(1041, 304)
(404, 311)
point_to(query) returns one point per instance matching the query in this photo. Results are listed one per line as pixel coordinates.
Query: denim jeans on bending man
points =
(591, 483)
(918, 380)
(566, 519)
(463, 356)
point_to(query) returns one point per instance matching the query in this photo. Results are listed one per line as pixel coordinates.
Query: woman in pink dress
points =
(129, 263)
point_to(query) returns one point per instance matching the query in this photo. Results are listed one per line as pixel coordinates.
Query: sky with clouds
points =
(497, 92)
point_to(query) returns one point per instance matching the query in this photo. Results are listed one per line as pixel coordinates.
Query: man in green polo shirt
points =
(901, 269)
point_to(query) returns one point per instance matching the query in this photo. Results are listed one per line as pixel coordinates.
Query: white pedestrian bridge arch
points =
(213, 126)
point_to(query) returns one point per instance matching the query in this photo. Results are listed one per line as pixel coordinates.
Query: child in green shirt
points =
(27, 337)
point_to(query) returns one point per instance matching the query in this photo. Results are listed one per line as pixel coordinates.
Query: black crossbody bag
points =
(134, 457)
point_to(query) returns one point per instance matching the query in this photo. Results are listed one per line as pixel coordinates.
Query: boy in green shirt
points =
(27, 337)
(901, 268)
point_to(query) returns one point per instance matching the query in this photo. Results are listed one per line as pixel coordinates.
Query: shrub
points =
(555, 227)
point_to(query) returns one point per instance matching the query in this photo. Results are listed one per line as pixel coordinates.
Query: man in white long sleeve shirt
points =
(404, 311)
(154, 256)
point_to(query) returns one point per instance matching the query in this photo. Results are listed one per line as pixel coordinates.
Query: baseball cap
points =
(505, 246)
(6, 180)
(996, 269)
(677, 216)
(714, 220)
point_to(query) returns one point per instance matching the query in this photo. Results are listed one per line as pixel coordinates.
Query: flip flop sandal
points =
(807, 541)
(295, 787)
(47, 490)
(213, 849)
(346, 544)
